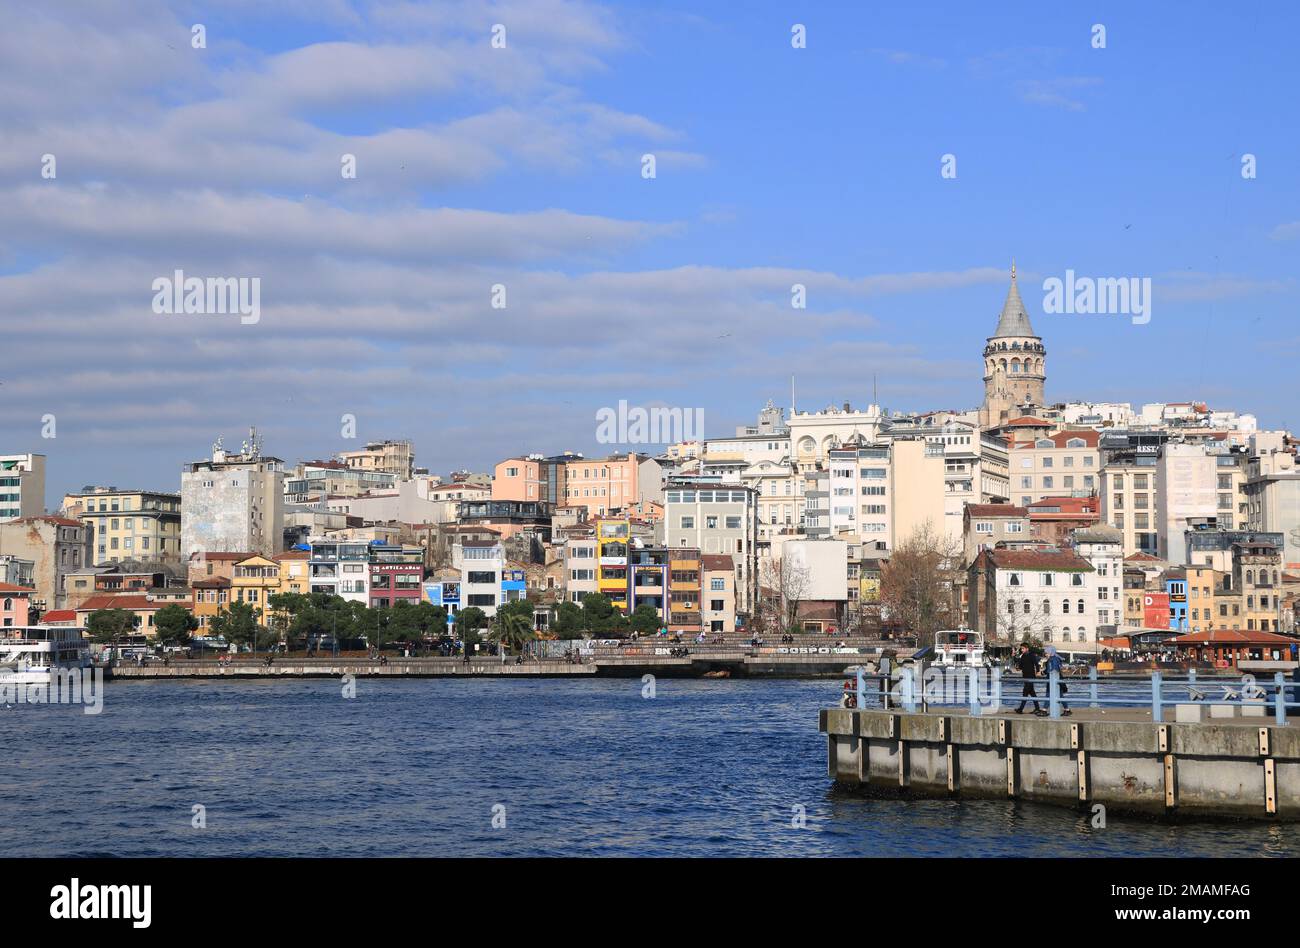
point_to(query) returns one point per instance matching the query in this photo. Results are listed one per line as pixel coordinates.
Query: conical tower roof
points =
(1014, 321)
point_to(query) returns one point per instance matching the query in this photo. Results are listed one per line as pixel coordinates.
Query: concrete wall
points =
(1202, 770)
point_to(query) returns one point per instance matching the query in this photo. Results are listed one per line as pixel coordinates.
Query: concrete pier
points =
(1243, 768)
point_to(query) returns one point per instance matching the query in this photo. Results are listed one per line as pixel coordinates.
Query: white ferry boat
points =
(959, 647)
(31, 654)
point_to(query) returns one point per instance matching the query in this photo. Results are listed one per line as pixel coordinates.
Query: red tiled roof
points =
(1026, 421)
(60, 615)
(1061, 439)
(719, 561)
(996, 510)
(1235, 637)
(223, 556)
(61, 521)
(1045, 560)
(11, 588)
(134, 603)
(1142, 558)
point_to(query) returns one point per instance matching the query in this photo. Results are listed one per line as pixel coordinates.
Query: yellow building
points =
(256, 579)
(293, 572)
(612, 558)
(129, 524)
(211, 596)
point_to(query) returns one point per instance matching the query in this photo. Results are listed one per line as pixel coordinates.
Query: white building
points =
(1103, 548)
(481, 563)
(22, 486)
(1047, 595)
(716, 519)
(340, 568)
(233, 503)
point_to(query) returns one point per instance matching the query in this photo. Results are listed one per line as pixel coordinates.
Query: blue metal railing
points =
(903, 690)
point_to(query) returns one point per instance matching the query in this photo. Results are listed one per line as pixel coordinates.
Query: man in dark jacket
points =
(1028, 666)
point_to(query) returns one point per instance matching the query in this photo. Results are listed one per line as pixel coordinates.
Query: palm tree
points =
(513, 631)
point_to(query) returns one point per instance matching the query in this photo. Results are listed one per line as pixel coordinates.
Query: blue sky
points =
(522, 166)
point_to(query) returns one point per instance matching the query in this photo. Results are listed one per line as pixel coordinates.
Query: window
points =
(688, 523)
(717, 585)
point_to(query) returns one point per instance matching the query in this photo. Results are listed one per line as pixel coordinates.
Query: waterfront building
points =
(55, 546)
(1103, 549)
(233, 502)
(716, 519)
(482, 565)
(719, 602)
(22, 486)
(295, 572)
(256, 578)
(395, 574)
(581, 569)
(15, 605)
(211, 598)
(1044, 595)
(128, 524)
(340, 568)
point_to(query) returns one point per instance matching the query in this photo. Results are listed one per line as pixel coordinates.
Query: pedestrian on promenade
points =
(1028, 666)
(1054, 664)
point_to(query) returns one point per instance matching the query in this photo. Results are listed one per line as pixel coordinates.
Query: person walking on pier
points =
(1028, 666)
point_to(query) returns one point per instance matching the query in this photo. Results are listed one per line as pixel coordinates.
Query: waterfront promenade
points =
(795, 661)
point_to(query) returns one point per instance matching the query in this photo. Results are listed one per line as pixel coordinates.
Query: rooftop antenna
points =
(792, 395)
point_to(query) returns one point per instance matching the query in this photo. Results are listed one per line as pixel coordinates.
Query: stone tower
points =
(1015, 364)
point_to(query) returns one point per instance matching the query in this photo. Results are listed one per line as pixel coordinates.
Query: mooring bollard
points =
(1092, 687)
(1279, 700)
(1054, 694)
(1156, 711)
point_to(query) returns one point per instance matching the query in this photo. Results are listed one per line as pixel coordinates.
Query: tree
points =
(568, 621)
(468, 621)
(601, 617)
(237, 624)
(106, 625)
(645, 619)
(512, 630)
(174, 624)
(918, 585)
(790, 580)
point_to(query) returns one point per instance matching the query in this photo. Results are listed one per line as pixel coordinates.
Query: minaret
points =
(1015, 363)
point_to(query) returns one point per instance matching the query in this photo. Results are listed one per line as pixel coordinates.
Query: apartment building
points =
(719, 593)
(1127, 487)
(129, 524)
(256, 578)
(716, 519)
(1271, 492)
(389, 457)
(1062, 464)
(340, 568)
(614, 483)
(311, 482)
(1047, 595)
(482, 564)
(985, 526)
(1194, 483)
(22, 486)
(55, 546)
(233, 501)
(396, 573)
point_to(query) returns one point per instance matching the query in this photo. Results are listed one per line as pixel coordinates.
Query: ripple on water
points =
(416, 767)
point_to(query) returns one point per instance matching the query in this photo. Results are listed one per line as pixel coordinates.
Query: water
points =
(415, 767)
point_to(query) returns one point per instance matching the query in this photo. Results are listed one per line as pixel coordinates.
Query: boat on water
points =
(33, 654)
(959, 648)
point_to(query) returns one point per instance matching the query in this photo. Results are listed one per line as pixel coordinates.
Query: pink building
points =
(15, 605)
(518, 479)
(617, 482)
